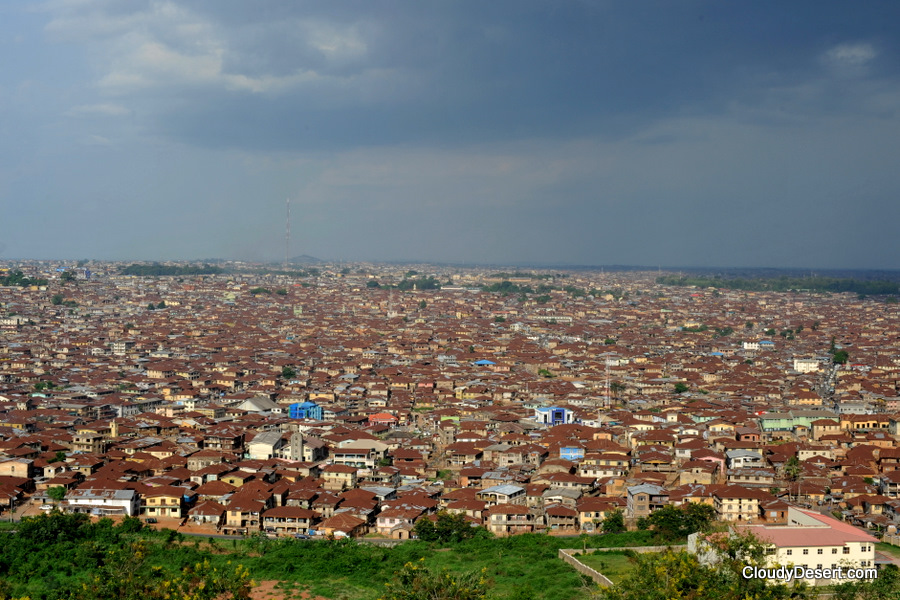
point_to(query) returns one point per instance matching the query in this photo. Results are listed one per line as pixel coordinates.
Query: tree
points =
(151, 306)
(371, 284)
(840, 357)
(415, 581)
(614, 522)
(447, 528)
(885, 587)
(127, 574)
(422, 283)
(287, 372)
(679, 574)
(56, 299)
(131, 524)
(673, 523)
(791, 469)
(616, 387)
(697, 517)
(67, 276)
(59, 457)
(681, 387)
(422, 305)
(162, 304)
(17, 278)
(56, 493)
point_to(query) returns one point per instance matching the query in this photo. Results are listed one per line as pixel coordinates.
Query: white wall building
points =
(102, 502)
(807, 365)
(809, 540)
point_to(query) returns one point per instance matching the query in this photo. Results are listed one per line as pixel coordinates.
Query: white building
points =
(554, 415)
(102, 502)
(744, 459)
(265, 445)
(809, 540)
(807, 365)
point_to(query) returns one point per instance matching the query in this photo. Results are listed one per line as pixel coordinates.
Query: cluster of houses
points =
(339, 405)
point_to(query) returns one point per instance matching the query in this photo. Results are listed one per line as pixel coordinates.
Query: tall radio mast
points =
(287, 231)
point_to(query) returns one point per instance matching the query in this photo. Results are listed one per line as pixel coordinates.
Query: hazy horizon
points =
(512, 132)
(312, 262)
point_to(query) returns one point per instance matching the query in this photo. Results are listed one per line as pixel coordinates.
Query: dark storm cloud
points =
(502, 131)
(382, 73)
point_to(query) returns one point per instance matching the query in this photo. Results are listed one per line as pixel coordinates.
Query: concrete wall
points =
(569, 557)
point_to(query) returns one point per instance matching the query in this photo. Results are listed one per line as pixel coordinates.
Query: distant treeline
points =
(522, 275)
(508, 287)
(17, 278)
(422, 283)
(157, 269)
(785, 284)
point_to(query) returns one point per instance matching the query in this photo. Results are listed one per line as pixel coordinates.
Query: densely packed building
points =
(355, 400)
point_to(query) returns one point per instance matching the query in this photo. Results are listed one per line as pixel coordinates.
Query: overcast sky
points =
(682, 133)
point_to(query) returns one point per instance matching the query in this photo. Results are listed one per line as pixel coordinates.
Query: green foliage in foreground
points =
(674, 575)
(416, 581)
(885, 587)
(60, 556)
(54, 556)
(57, 556)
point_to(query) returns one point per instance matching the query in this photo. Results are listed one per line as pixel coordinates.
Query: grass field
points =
(523, 566)
(56, 555)
(888, 549)
(613, 565)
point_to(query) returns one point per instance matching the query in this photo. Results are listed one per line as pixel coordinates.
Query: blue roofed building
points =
(305, 410)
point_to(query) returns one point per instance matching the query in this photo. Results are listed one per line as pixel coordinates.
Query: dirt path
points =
(277, 590)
